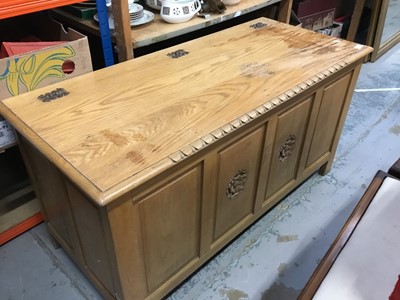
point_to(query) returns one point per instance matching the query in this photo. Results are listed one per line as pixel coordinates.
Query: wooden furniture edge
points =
(395, 169)
(342, 238)
(189, 150)
(23, 130)
(104, 197)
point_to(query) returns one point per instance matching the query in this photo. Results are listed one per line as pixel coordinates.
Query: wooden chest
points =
(146, 169)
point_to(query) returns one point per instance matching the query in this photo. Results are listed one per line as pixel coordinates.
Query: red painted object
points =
(15, 48)
(20, 228)
(12, 8)
(396, 292)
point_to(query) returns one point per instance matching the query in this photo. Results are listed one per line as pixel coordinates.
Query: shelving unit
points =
(128, 39)
(13, 8)
(19, 209)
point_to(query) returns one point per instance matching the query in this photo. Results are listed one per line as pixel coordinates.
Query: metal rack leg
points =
(105, 32)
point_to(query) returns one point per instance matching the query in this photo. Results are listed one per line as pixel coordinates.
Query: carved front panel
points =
(333, 99)
(290, 132)
(238, 172)
(52, 193)
(170, 227)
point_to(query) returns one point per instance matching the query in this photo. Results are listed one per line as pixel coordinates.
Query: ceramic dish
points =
(148, 16)
(155, 4)
(135, 8)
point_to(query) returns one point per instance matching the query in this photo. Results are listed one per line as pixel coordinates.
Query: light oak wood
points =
(128, 245)
(120, 11)
(286, 152)
(285, 10)
(122, 127)
(169, 246)
(52, 191)
(50, 188)
(328, 118)
(148, 165)
(342, 118)
(231, 209)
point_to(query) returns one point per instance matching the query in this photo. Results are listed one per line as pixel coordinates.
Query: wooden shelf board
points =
(158, 30)
(4, 148)
(20, 228)
(19, 220)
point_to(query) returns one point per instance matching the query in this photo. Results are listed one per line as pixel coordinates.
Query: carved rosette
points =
(287, 148)
(236, 184)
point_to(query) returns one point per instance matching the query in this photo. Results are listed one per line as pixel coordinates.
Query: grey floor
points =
(274, 258)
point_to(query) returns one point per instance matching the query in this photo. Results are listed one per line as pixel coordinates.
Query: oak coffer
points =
(147, 168)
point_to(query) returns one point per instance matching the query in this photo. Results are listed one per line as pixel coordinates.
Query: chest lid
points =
(119, 126)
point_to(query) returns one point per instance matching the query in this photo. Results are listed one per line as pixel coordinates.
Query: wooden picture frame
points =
(342, 238)
(381, 44)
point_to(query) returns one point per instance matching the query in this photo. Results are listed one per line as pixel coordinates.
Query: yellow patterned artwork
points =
(32, 69)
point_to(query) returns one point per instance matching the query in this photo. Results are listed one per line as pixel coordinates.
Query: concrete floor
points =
(274, 258)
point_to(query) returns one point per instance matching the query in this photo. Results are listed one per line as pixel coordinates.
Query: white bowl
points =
(155, 4)
(176, 19)
(179, 11)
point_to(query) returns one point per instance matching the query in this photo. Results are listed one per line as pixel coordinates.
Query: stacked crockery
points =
(135, 12)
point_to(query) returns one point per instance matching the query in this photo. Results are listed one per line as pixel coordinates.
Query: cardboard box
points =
(26, 72)
(315, 14)
(335, 30)
(40, 66)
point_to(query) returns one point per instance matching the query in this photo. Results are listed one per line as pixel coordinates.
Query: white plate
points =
(135, 8)
(148, 16)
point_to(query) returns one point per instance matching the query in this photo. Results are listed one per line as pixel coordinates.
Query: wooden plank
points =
(285, 10)
(355, 19)
(120, 11)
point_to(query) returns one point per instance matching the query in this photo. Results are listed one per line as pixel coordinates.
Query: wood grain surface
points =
(121, 125)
